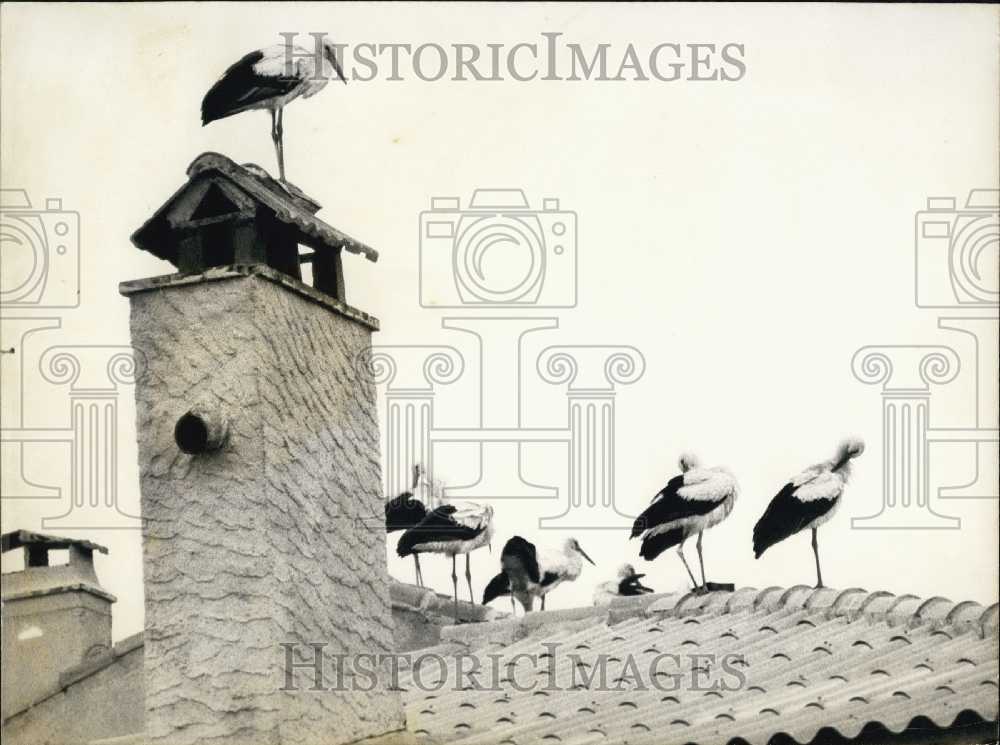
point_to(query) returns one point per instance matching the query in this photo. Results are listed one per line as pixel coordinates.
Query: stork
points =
(270, 78)
(807, 501)
(527, 573)
(692, 502)
(625, 584)
(406, 511)
(451, 529)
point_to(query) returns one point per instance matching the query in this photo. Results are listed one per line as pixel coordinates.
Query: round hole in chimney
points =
(199, 431)
(191, 434)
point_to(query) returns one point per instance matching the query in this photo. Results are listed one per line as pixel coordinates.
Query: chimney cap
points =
(248, 187)
(19, 538)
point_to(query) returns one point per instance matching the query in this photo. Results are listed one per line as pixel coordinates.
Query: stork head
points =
(330, 52)
(573, 546)
(852, 447)
(687, 461)
(625, 571)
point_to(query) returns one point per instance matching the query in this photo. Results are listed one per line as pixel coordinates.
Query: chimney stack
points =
(259, 469)
(54, 616)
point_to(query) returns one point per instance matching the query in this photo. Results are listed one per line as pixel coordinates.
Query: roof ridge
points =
(851, 603)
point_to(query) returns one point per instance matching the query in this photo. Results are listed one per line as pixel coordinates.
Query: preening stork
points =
(625, 584)
(807, 501)
(270, 79)
(451, 529)
(692, 502)
(527, 573)
(406, 511)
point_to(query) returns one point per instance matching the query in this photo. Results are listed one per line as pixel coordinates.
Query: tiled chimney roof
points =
(286, 202)
(845, 664)
(18, 538)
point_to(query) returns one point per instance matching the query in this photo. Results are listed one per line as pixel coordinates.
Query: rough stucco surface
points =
(269, 539)
(105, 704)
(44, 635)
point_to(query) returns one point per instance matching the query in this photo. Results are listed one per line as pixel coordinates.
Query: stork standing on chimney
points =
(271, 78)
(807, 501)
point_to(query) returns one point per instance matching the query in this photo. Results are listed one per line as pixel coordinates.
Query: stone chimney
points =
(54, 617)
(259, 469)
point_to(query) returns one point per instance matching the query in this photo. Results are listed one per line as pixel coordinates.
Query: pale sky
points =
(746, 236)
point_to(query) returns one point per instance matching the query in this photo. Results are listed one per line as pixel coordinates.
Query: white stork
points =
(691, 502)
(451, 529)
(406, 511)
(270, 78)
(625, 584)
(527, 573)
(807, 501)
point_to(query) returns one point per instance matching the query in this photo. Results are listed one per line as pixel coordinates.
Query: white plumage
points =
(692, 502)
(270, 79)
(451, 529)
(807, 501)
(625, 584)
(527, 573)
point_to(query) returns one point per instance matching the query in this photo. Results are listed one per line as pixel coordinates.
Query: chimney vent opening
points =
(198, 432)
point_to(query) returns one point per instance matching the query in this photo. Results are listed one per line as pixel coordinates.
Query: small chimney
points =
(54, 616)
(259, 471)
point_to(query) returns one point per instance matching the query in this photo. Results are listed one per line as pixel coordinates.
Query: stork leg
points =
(819, 574)
(680, 552)
(468, 578)
(513, 610)
(543, 602)
(701, 562)
(420, 576)
(454, 584)
(276, 136)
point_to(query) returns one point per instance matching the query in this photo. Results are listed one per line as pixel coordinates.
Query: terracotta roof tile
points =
(807, 661)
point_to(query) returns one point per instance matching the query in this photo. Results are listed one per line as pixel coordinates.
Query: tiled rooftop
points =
(814, 664)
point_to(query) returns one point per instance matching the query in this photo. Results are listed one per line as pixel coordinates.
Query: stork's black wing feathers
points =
(668, 506)
(785, 516)
(437, 526)
(240, 87)
(405, 511)
(498, 586)
(632, 586)
(519, 552)
(654, 545)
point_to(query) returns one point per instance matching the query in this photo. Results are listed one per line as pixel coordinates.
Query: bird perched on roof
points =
(405, 511)
(527, 573)
(625, 584)
(692, 502)
(807, 501)
(271, 78)
(452, 528)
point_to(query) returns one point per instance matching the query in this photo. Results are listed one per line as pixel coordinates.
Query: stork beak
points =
(584, 555)
(638, 576)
